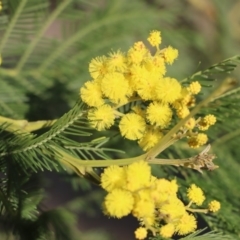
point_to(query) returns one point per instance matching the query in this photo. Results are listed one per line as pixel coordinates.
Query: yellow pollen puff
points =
(187, 224)
(146, 86)
(195, 194)
(194, 87)
(182, 112)
(91, 94)
(102, 117)
(155, 38)
(167, 230)
(165, 186)
(137, 75)
(210, 119)
(214, 206)
(135, 56)
(158, 62)
(113, 177)
(141, 233)
(115, 87)
(173, 209)
(143, 208)
(168, 90)
(140, 47)
(98, 67)
(119, 203)
(170, 54)
(143, 194)
(150, 138)
(159, 114)
(117, 61)
(132, 126)
(198, 140)
(138, 175)
(163, 190)
(185, 96)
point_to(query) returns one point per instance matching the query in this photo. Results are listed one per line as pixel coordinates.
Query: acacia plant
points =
(163, 123)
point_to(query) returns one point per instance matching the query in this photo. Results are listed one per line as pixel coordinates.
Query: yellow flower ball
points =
(172, 209)
(115, 87)
(155, 38)
(158, 62)
(113, 177)
(132, 126)
(134, 56)
(141, 233)
(146, 87)
(214, 206)
(91, 94)
(182, 112)
(98, 67)
(170, 54)
(186, 224)
(159, 114)
(198, 140)
(168, 90)
(195, 194)
(150, 138)
(167, 230)
(102, 117)
(138, 175)
(117, 61)
(119, 203)
(210, 119)
(143, 208)
(194, 87)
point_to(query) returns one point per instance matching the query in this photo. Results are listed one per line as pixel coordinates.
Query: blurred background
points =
(45, 57)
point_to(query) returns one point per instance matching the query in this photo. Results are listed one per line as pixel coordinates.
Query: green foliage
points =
(46, 47)
(200, 235)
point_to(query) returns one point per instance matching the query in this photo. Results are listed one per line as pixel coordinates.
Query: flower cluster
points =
(139, 77)
(153, 201)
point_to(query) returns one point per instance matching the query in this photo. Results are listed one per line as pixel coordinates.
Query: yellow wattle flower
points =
(186, 224)
(141, 233)
(155, 38)
(150, 138)
(132, 126)
(159, 114)
(113, 177)
(91, 94)
(98, 67)
(102, 117)
(194, 87)
(115, 87)
(210, 119)
(167, 230)
(117, 61)
(198, 140)
(214, 206)
(118, 203)
(170, 54)
(138, 175)
(168, 90)
(195, 195)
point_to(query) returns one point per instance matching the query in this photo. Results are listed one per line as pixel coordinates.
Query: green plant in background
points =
(129, 98)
